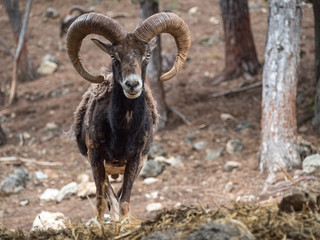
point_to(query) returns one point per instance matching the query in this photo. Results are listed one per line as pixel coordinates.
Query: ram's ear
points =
(103, 46)
(153, 43)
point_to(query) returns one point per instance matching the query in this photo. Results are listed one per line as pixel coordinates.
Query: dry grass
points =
(262, 221)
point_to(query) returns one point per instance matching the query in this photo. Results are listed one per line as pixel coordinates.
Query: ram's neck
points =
(126, 114)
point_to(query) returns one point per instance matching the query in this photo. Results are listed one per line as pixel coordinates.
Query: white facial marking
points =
(132, 79)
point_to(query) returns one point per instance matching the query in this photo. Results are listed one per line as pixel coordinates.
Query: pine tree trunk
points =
(278, 123)
(26, 70)
(316, 13)
(240, 53)
(148, 8)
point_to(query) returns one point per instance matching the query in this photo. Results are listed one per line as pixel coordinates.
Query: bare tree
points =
(316, 14)
(278, 123)
(3, 139)
(148, 8)
(26, 69)
(240, 53)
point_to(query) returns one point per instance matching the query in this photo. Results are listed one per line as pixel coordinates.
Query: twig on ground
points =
(179, 114)
(286, 173)
(14, 160)
(242, 89)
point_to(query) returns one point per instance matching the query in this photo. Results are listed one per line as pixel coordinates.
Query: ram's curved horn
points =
(172, 24)
(91, 23)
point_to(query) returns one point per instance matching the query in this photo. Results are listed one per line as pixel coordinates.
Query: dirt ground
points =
(54, 98)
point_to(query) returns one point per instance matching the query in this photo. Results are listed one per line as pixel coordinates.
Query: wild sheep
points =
(69, 19)
(114, 122)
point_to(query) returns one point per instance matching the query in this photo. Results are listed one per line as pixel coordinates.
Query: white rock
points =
(228, 188)
(82, 178)
(94, 221)
(200, 145)
(86, 189)
(47, 68)
(47, 220)
(150, 180)
(311, 164)
(154, 207)
(152, 195)
(67, 190)
(50, 194)
(173, 161)
(230, 165)
(51, 126)
(193, 10)
(214, 20)
(24, 202)
(40, 175)
(226, 116)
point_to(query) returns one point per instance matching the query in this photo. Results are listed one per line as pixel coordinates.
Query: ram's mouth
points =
(132, 94)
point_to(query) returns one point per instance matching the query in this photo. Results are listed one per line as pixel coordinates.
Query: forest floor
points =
(54, 98)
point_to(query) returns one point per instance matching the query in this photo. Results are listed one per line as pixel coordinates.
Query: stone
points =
(150, 180)
(52, 13)
(226, 116)
(152, 168)
(164, 235)
(311, 164)
(15, 182)
(24, 202)
(190, 139)
(228, 188)
(66, 191)
(212, 154)
(214, 20)
(50, 194)
(219, 231)
(152, 207)
(193, 10)
(48, 220)
(156, 150)
(230, 165)
(83, 178)
(234, 146)
(243, 125)
(172, 161)
(51, 126)
(40, 175)
(199, 145)
(49, 57)
(152, 195)
(86, 189)
(297, 200)
(47, 68)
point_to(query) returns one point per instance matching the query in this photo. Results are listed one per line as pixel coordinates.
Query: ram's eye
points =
(148, 56)
(112, 57)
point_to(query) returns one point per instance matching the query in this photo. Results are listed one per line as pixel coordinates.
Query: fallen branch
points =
(179, 114)
(242, 89)
(14, 160)
(17, 55)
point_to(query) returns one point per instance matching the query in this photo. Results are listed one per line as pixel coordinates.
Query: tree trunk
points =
(148, 8)
(278, 123)
(3, 139)
(26, 69)
(240, 53)
(316, 13)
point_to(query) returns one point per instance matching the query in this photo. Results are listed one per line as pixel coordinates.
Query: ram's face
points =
(129, 61)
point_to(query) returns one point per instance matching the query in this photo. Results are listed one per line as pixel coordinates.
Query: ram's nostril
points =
(132, 84)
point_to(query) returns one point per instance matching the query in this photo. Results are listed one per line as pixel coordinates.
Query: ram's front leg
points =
(99, 177)
(131, 172)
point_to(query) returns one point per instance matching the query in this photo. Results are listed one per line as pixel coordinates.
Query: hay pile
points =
(254, 221)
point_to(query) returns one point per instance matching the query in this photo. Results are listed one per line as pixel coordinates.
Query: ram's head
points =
(130, 52)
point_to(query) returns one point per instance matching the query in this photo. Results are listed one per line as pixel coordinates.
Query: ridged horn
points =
(166, 22)
(91, 23)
